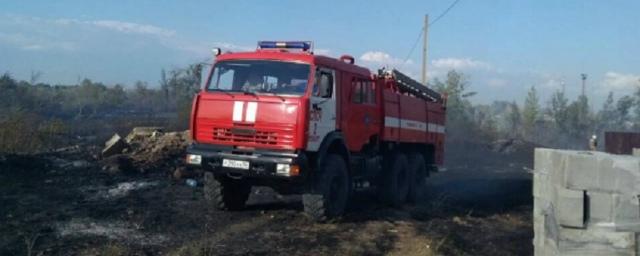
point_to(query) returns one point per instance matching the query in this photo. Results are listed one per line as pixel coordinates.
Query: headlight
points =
(194, 159)
(287, 170)
(282, 169)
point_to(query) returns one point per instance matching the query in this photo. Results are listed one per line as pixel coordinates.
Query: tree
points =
(458, 105)
(558, 110)
(607, 116)
(530, 111)
(636, 111)
(623, 108)
(579, 120)
(514, 119)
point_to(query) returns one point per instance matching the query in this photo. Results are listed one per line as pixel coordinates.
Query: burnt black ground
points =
(475, 208)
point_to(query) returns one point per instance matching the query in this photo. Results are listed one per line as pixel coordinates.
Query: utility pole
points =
(424, 49)
(584, 81)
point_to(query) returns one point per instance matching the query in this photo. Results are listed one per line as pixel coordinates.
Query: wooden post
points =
(424, 50)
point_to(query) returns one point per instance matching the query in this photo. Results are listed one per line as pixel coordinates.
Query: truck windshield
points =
(260, 76)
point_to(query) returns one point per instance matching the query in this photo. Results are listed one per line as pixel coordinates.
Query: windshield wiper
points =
(221, 90)
(275, 94)
(251, 93)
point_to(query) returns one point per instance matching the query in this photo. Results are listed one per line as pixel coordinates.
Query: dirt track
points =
(481, 210)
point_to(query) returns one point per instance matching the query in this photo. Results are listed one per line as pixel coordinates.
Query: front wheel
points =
(225, 193)
(330, 191)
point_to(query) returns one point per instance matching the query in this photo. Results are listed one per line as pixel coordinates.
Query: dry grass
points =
(22, 132)
(107, 250)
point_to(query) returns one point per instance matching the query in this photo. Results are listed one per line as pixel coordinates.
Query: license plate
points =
(235, 164)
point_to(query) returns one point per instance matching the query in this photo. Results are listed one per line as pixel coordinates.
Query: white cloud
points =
(120, 26)
(460, 64)
(614, 80)
(382, 58)
(135, 28)
(552, 82)
(37, 34)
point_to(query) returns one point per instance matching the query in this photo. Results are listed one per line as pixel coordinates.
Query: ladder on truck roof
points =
(406, 84)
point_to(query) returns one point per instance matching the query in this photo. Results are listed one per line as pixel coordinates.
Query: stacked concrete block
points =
(586, 203)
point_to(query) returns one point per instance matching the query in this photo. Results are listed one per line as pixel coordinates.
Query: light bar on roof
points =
(304, 45)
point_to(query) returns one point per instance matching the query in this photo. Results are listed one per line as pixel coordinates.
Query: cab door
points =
(362, 113)
(322, 109)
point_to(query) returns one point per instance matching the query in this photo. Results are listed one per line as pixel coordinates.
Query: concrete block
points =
(570, 207)
(586, 203)
(541, 211)
(600, 206)
(114, 146)
(596, 242)
(626, 213)
(542, 160)
(580, 170)
(627, 173)
(607, 180)
(542, 186)
(550, 162)
(635, 152)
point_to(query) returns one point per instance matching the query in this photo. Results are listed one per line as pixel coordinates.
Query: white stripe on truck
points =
(393, 122)
(237, 111)
(252, 108)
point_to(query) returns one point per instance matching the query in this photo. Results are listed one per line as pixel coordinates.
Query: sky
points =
(504, 47)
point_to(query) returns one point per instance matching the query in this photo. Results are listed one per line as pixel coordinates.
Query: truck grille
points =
(257, 137)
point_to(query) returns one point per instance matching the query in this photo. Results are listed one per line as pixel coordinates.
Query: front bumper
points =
(262, 163)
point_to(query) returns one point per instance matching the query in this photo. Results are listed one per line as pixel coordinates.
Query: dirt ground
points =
(480, 206)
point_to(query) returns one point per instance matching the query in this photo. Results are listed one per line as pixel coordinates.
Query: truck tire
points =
(225, 193)
(330, 190)
(417, 176)
(394, 185)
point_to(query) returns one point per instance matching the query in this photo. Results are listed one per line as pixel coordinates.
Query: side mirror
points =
(326, 85)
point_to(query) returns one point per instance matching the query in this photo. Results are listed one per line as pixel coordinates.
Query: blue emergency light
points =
(304, 45)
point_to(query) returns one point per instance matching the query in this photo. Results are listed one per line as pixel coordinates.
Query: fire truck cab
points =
(283, 117)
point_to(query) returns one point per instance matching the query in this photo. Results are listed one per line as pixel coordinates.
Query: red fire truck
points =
(283, 117)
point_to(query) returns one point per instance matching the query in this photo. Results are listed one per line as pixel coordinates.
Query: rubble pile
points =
(509, 146)
(145, 149)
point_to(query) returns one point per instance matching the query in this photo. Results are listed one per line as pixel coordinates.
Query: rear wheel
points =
(394, 185)
(330, 191)
(225, 193)
(418, 174)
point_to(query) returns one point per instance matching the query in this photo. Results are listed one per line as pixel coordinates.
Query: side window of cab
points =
(363, 91)
(323, 86)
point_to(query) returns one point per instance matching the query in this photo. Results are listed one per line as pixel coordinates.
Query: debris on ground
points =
(511, 145)
(165, 151)
(73, 148)
(144, 132)
(112, 230)
(114, 146)
(117, 191)
(117, 164)
(145, 149)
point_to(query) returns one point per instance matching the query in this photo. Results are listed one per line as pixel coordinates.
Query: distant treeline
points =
(39, 116)
(557, 123)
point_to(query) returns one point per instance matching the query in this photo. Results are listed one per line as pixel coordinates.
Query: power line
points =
(444, 13)
(429, 25)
